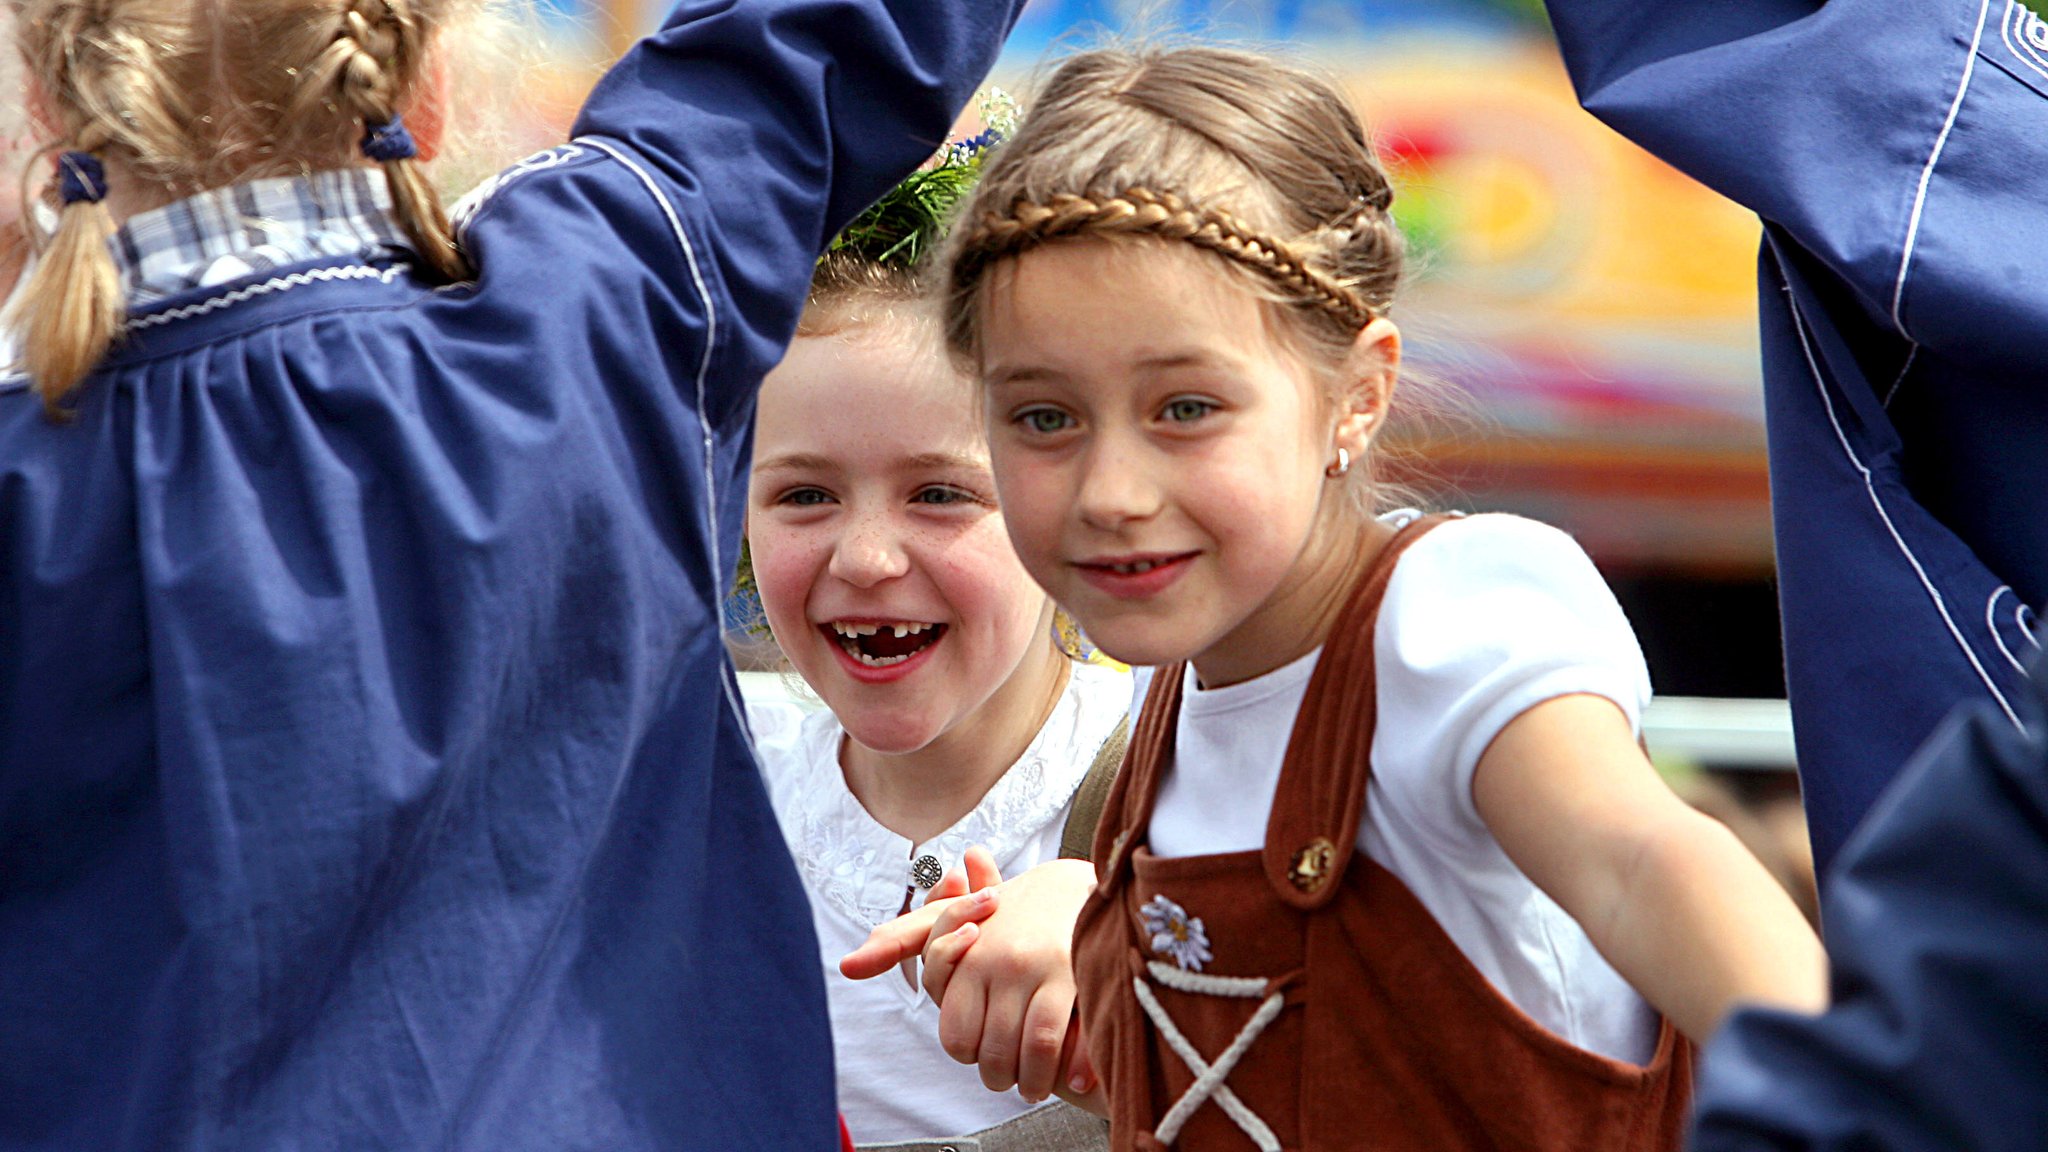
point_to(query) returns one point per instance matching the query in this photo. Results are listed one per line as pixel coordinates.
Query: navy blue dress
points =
(371, 772)
(1894, 149)
(1938, 933)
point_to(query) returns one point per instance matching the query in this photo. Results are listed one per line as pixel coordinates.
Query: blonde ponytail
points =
(72, 309)
(105, 69)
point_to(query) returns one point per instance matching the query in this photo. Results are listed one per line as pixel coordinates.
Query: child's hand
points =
(1003, 977)
(969, 895)
(1005, 1005)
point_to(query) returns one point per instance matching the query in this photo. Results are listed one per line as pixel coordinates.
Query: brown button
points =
(1313, 865)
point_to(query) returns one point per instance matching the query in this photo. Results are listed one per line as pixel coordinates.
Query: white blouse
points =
(895, 1082)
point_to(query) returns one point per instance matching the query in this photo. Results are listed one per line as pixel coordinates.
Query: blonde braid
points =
(1370, 238)
(1141, 211)
(376, 49)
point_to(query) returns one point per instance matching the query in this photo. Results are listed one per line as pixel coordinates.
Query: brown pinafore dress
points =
(1300, 997)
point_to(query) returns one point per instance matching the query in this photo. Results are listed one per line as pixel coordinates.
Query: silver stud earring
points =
(1341, 466)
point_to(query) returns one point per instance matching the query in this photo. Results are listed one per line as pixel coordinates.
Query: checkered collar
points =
(247, 229)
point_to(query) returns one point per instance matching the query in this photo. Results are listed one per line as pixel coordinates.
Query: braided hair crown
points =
(1260, 162)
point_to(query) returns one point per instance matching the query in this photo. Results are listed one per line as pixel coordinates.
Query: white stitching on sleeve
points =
(1991, 626)
(1955, 109)
(1870, 488)
(710, 443)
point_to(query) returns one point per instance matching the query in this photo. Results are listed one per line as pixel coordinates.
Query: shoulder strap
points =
(1321, 795)
(1079, 834)
(1129, 805)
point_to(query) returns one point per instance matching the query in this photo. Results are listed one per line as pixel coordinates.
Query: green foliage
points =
(911, 218)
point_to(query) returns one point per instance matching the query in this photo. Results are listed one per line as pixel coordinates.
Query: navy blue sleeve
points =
(1880, 134)
(767, 124)
(1938, 930)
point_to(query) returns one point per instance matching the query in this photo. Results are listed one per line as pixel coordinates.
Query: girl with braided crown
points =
(954, 714)
(371, 771)
(1386, 865)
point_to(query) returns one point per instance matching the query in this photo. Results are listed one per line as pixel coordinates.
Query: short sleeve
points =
(1484, 618)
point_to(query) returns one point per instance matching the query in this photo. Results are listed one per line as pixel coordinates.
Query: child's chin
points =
(1139, 651)
(891, 735)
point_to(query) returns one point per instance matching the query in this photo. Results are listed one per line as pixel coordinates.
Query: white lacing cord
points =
(1209, 1078)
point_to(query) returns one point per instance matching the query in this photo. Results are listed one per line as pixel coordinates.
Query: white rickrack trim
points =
(277, 284)
(1209, 1078)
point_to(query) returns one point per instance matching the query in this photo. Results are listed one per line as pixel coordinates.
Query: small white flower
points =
(1175, 934)
(999, 111)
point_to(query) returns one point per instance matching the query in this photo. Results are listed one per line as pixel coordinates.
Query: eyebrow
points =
(1191, 358)
(794, 461)
(1184, 358)
(1031, 375)
(947, 460)
(812, 462)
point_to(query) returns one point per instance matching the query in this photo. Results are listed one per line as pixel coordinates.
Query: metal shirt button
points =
(927, 871)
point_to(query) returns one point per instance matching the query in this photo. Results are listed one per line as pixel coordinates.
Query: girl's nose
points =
(1115, 488)
(868, 552)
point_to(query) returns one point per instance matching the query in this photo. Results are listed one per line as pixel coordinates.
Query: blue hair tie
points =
(389, 140)
(80, 178)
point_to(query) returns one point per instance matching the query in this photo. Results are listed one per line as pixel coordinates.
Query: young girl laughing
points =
(956, 717)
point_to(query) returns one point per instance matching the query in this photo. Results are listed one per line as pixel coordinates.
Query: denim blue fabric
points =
(371, 772)
(1893, 150)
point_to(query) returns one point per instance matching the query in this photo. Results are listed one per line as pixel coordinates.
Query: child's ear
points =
(1369, 374)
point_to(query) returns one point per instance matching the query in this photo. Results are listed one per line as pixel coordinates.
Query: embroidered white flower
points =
(1175, 934)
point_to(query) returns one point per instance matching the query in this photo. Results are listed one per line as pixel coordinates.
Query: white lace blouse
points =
(895, 1082)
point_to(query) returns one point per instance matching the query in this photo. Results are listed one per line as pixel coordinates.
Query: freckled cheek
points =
(984, 581)
(787, 565)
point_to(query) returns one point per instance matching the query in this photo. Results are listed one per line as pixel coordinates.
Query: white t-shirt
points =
(895, 1082)
(1485, 617)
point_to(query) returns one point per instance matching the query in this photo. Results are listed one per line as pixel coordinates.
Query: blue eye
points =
(941, 495)
(1044, 421)
(805, 497)
(1187, 409)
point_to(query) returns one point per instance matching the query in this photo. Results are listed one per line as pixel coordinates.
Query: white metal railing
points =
(1718, 733)
(1709, 732)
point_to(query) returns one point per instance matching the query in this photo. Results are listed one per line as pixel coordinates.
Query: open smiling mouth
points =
(880, 645)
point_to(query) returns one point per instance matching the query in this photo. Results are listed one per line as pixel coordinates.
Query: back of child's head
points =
(1261, 162)
(174, 97)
